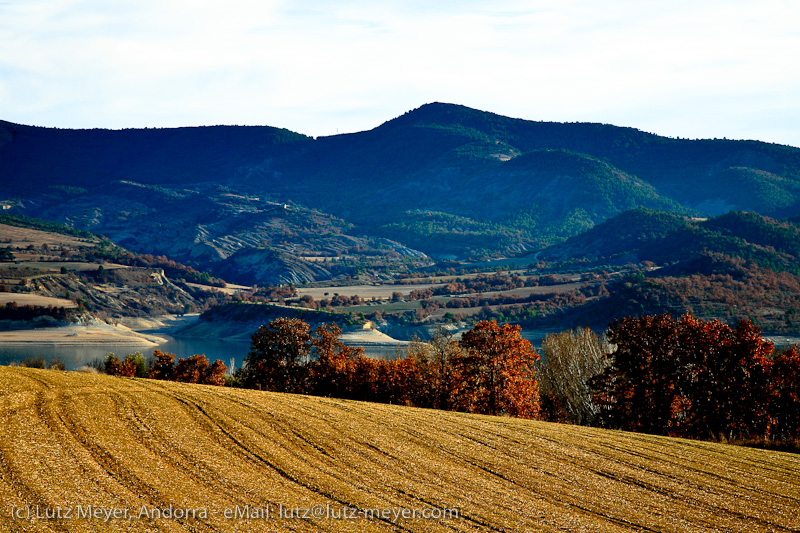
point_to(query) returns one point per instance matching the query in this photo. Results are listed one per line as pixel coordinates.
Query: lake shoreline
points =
(91, 334)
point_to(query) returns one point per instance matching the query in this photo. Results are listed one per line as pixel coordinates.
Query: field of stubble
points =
(76, 443)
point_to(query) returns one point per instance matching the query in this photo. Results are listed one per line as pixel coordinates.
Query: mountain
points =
(51, 268)
(619, 237)
(441, 180)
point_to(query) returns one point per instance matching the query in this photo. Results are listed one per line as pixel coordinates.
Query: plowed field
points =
(89, 447)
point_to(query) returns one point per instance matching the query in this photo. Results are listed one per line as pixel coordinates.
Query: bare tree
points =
(435, 359)
(569, 360)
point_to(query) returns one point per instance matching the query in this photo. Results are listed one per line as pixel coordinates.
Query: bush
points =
(112, 366)
(163, 366)
(195, 369)
(35, 362)
(137, 363)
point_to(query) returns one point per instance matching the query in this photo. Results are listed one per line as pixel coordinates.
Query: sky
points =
(690, 69)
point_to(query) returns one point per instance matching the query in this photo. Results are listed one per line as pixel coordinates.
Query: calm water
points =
(74, 357)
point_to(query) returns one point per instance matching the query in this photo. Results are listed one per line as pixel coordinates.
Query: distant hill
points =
(441, 180)
(663, 237)
(734, 266)
(58, 265)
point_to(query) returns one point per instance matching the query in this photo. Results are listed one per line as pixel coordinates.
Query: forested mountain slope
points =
(442, 179)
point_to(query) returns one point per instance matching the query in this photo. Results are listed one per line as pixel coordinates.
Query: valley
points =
(416, 242)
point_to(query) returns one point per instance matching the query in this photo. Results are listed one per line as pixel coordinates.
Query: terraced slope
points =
(72, 440)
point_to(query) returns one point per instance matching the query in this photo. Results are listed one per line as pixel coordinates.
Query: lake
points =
(74, 357)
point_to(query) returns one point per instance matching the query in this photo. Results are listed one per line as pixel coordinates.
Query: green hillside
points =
(442, 180)
(734, 266)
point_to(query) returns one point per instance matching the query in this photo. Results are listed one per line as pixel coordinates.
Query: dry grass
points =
(35, 299)
(70, 439)
(16, 236)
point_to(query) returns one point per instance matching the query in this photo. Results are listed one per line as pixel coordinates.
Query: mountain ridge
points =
(494, 185)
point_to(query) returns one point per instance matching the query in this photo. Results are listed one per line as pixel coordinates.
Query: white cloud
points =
(680, 68)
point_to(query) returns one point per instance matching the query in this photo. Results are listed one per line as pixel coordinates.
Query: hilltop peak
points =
(443, 114)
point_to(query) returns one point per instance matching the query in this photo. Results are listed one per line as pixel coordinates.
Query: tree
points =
(400, 381)
(163, 366)
(190, 369)
(569, 360)
(785, 404)
(686, 378)
(308, 301)
(128, 369)
(196, 369)
(365, 379)
(639, 387)
(497, 371)
(112, 365)
(137, 363)
(727, 375)
(331, 368)
(435, 363)
(215, 375)
(278, 354)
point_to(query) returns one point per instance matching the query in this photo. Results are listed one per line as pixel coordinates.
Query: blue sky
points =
(698, 69)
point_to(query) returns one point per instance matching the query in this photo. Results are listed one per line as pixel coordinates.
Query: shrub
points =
(163, 366)
(195, 369)
(112, 365)
(138, 363)
(35, 362)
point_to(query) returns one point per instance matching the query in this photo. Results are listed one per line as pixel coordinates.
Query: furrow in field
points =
(303, 479)
(358, 451)
(17, 490)
(122, 468)
(129, 442)
(149, 430)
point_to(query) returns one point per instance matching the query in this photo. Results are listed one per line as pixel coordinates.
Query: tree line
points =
(194, 369)
(490, 370)
(14, 311)
(682, 377)
(699, 379)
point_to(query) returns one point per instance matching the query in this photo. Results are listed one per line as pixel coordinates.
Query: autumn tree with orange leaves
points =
(435, 364)
(785, 400)
(686, 377)
(497, 372)
(163, 366)
(196, 369)
(727, 374)
(331, 366)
